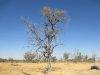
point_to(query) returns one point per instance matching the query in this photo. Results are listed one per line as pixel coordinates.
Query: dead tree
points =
(85, 57)
(94, 56)
(77, 55)
(66, 56)
(50, 32)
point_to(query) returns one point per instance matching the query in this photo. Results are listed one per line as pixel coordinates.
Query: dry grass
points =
(41, 68)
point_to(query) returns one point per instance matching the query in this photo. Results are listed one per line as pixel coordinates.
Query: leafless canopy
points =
(50, 31)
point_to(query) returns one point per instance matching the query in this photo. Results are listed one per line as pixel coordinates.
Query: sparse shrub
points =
(90, 60)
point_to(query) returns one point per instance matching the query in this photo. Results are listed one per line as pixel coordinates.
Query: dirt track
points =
(41, 68)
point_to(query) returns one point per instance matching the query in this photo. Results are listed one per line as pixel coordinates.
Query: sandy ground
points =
(41, 68)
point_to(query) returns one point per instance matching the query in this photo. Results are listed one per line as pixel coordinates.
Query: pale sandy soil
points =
(41, 68)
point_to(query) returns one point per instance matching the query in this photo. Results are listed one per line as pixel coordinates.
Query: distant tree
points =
(54, 59)
(94, 56)
(76, 53)
(72, 56)
(0, 59)
(90, 59)
(50, 32)
(29, 56)
(70, 59)
(11, 59)
(78, 56)
(3, 60)
(39, 57)
(66, 56)
(85, 58)
(44, 59)
(61, 59)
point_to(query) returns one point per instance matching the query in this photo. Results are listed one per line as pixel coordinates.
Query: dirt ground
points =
(41, 69)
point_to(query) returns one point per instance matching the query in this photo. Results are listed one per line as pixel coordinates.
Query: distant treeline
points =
(90, 60)
(76, 57)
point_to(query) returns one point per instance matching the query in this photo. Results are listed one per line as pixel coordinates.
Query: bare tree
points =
(29, 56)
(79, 56)
(66, 56)
(94, 57)
(50, 32)
(85, 57)
(10, 59)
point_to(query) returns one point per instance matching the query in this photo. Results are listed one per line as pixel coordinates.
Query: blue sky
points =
(83, 31)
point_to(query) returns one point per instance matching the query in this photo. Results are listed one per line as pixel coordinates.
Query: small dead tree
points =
(85, 57)
(79, 56)
(29, 56)
(76, 54)
(10, 59)
(94, 57)
(66, 56)
(50, 32)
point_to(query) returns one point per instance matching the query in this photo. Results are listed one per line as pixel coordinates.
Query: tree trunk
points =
(49, 65)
